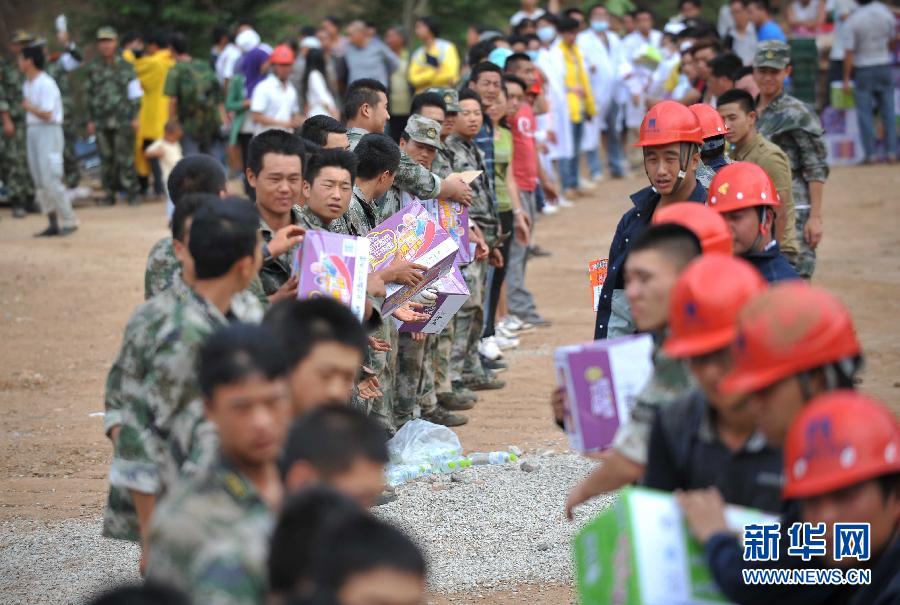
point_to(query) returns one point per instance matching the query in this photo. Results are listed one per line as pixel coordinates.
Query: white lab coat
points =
(552, 63)
(604, 65)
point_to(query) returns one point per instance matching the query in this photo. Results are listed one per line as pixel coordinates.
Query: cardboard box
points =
(597, 270)
(330, 264)
(414, 235)
(640, 552)
(602, 380)
(452, 293)
(453, 217)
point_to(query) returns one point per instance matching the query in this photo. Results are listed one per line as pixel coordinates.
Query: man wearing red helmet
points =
(707, 439)
(274, 103)
(670, 137)
(745, 196)
(704, 222)
(712, 152)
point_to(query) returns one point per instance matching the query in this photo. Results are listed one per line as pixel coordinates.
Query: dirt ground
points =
(64, 303)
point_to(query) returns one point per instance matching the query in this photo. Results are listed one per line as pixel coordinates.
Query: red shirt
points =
(524, 149)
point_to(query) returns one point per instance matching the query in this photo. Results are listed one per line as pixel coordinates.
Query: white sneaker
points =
(504, 332)
(598, 179)
(550, 209)
(489, 349)
(564, 203)
(505, 343)
(514, 324)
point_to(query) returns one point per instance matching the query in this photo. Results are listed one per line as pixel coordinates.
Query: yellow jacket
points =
(151, 71)
(580, 108)
(422, 75)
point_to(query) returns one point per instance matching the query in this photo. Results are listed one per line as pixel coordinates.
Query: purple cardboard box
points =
(452, 293)
(414, 235)
(453, 217)
(602, 379)
(330, 264)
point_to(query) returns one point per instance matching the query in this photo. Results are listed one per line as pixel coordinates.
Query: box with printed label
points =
(452, 293)
(453, 217)
(602, 380)
(413, 235)
(330, 264)
(639, 552)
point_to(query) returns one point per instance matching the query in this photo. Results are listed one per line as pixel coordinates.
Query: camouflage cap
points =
(107, 33)
(424, 130)
(450, 96)
(20, 36)
(772, 53)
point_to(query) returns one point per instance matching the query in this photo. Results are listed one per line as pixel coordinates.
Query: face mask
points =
(533, 55)
(546, 33)
(600, 26)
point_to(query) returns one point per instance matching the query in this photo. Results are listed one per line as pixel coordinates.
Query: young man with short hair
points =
(721, 74)
(738, 109)
(767, 28)
(793, 126)
(486, 79)
(379, 159)
(210, 534)
(274, 103)
(326, 132)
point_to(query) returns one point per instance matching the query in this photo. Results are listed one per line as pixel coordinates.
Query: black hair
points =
(598, 5)
(362, 92)
(516, 39)
(725, 65)
(315, 61)
(146, 593)
(199, 173)
(186, 208)
(236, 352)
(35, 54)
(478, 54)
(643, 11)
(335, 20)
(362, 545)
(307, 31)
(746, 70)
(332, 438)
(377, 153)
(304, 517)
(743, 3)
(697, 3)
(514, 58)
(431, 24)
(317, 128)
(484, 67)
(340, 158)
(304, 324)
(549, 18)
(519, 27)
(677, 243)
(179, 43)
(468, 94)
(219, 32)
(573, 11)
(157, 38)
(889, 484)
(511, 79)
(714, 44)
(427, 99)
(274, 141)
(221, 235)
(763, 4)
(736, 95)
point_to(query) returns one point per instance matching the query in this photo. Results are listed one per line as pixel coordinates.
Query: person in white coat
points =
(555, 123)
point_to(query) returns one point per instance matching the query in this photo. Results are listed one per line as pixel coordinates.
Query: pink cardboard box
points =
(453, 217)
(330, 264)
(452, 293)
(602, 380)
(414, 235)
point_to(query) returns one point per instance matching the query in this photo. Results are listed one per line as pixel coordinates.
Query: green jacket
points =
(234, 102)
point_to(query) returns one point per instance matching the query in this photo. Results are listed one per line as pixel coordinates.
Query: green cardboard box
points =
(639, 552)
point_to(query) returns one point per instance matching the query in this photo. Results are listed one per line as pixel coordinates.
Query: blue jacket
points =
(772, 263)
(630, 226)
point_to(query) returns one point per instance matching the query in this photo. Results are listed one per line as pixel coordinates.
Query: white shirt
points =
(319, 100)
(43, 93)
(274, 99)
(171, 155)
(634, 42)
(226, 61)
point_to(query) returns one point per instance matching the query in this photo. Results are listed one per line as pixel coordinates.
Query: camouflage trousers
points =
(442, 358)
(464, 361)
(116, 147)
(14, 169)
(805, 260)
(70, 159)
(415, 395)
(381, 409)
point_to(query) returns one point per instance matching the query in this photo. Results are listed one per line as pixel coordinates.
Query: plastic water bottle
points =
(481, 458)
(451, 466)
(401, 473)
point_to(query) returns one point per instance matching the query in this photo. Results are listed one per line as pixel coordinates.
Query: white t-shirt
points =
(171, 155)
(43, 93)
(274, 99)
(226, 61)
(318, 98)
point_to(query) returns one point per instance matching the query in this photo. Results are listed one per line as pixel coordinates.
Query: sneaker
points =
(496, 366)
(564, 203)
(48, 232)
(537, 320)
(488, 348)
(537, 251)
(598, 178)
(505, 343)
(455, 403)
(550, 209)
(443, 417)
(515, 324)
(68, 230)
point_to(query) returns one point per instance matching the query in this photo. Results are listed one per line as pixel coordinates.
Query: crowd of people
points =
(249, 428)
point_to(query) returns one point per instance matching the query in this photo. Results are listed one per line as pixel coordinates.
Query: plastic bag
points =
(423, 442)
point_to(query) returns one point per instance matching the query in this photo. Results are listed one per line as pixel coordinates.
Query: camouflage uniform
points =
(443, 349)
(153, 396)
(112, 112)
(465, 364)
(13, 151)
(195, 86)
(410, 177)
(794, 127)
(276, 271)
(670, 380)
(210, 538)
(70, 160)
(359, 219)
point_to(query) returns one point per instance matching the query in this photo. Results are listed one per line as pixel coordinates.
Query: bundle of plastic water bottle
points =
(448, 463)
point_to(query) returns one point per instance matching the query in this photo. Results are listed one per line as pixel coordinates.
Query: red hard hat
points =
(839, 440)
(790, 328)
(707, 224)
(706, 301)
(282, 55)
(669, 122)
(741, 185)
(711, 123)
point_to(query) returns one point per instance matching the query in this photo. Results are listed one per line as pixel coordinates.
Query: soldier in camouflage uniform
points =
(152, 413)
(210, 535)
(13, 149)
(466, 367)
(196, 99)
(794, 127)
(113, 106)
